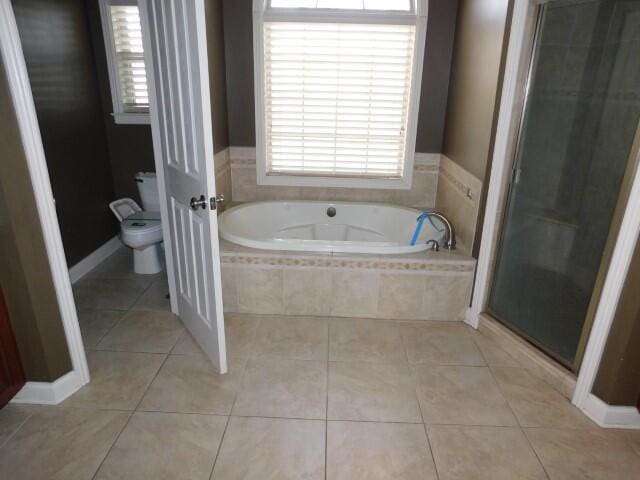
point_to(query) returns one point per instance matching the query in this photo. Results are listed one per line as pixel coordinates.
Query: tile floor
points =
(305, 398)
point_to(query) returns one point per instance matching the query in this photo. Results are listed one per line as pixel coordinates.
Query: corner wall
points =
(474, 96)
(25, 275)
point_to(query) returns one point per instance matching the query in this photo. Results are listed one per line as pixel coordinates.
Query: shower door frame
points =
(624, 230)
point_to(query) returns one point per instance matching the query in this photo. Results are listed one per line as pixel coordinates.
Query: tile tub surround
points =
(421, 195)
(424, 286)
(222, 165)
(458, 197)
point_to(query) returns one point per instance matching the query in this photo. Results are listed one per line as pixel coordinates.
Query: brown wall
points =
(130, 147)
(475, 77)
(618, 379)
(57, 49)
(217, 73)
(25, 276)
(238, 33)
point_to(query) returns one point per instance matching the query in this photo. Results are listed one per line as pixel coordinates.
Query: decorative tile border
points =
(328, 261)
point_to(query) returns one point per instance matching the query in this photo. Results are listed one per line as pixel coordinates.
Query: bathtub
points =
(333, 227)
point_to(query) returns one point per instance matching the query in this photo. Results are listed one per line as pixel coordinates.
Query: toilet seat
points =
(140, 229)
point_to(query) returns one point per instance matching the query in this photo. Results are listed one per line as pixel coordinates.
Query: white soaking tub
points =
(309, 226)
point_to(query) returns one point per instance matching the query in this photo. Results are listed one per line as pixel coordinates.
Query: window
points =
(125, 58)
(337, 91)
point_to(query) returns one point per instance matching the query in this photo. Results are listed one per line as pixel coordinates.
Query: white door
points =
(175, 42)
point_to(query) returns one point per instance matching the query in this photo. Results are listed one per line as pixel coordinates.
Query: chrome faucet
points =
(449, 230)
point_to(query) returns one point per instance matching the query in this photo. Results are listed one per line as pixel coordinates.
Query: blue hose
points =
(421, 218)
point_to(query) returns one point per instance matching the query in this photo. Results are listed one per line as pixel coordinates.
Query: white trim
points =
(92, 260)
(128, 118)
(120, 117)
(22, 98)
(611, 291)
(500, 169)
(609, 416)
(49, 393)
(263, 12)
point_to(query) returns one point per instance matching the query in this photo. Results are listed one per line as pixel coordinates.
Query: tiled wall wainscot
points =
(434, 286)
(458, 198)
(222, 162)
(421, 195)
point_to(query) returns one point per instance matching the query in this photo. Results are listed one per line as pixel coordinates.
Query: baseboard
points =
(471, 318)
(90, 262)
(49, 393)
(611, 416)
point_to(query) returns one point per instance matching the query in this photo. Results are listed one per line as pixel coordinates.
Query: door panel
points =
(11, 374)
(182, 126)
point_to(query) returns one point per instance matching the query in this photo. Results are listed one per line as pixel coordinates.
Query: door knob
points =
(215, 201)
(198, 203)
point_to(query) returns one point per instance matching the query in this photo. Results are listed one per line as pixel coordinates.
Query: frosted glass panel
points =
(579, 123)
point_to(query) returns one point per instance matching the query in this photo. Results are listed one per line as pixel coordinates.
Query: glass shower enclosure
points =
(579, 122)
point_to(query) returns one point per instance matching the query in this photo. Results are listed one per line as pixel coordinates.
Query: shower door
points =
(579, 122)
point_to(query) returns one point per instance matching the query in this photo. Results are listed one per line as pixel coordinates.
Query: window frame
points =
(120, 116)
(417, 16)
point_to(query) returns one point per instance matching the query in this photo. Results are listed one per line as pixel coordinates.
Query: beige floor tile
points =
(283, 388)
(593, 454)
(302, 338)
(535, 403)
(186, 345)
(105, 293)
(167, 446)
(634, 439)
(272, 449)
(493, 354)
(155, 298)
(119, 266)
(12, 417)
(483, 453)
(365, 340)
(94, 324)
(190, 384)
(143, 331)
(440, 343)
(454, 395)
(372, 391)
(118, 379)
(372, 451)
(60, 444)
(240, 331)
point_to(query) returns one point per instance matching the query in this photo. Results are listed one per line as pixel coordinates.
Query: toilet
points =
(140, 228)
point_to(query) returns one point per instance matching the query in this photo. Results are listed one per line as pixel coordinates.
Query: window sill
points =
(290, 180)
(131, 118)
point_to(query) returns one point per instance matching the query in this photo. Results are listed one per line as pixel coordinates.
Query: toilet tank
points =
(148, 190)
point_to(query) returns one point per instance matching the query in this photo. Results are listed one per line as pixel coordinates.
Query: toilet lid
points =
(142, 222)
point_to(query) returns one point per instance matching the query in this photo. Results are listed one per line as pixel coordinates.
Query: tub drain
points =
(331, 211)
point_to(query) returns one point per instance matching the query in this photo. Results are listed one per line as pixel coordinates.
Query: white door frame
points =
(22, 98)
(517, 54)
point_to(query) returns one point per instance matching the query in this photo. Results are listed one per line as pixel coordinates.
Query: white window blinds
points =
(127, 40)
(337, 98)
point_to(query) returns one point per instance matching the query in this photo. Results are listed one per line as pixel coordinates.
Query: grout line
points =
(115, 440)
(544, 469)
(424, 425)
(14, 433)
(215, 459)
